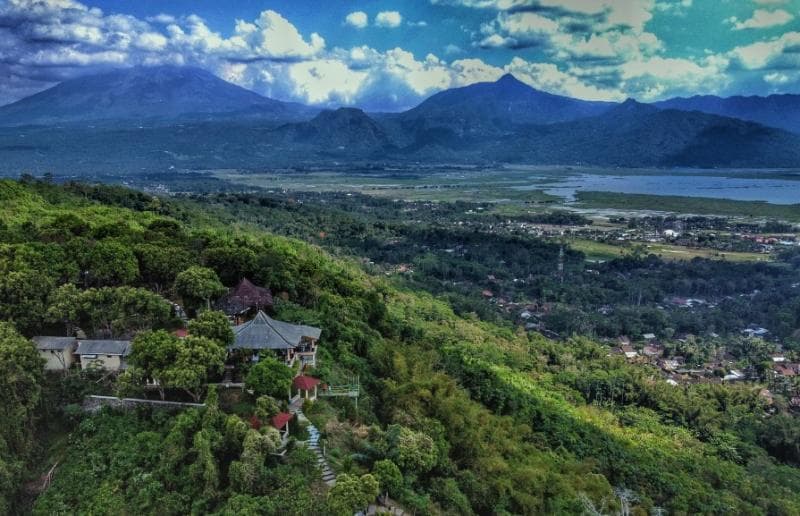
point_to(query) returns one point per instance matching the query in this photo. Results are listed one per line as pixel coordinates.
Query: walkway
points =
(328, 475)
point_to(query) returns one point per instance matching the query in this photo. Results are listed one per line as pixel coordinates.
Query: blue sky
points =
(390, 54)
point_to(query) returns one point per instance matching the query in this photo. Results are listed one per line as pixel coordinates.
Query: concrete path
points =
(328, 475)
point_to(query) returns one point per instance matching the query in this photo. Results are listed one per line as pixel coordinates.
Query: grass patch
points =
(696, 205)
(602, 251)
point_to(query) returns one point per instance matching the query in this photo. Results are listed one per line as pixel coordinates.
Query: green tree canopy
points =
(111, 263)
(213, 325)
(388, 476)
(270, 377)
(351, 494)
(177, 363)
(197, 285)
(21, 372)
(413, 451)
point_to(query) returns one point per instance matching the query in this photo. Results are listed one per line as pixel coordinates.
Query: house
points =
(629, 351)
(58, 352)
(785, 370)
(755, 331)
(734, 376)
(243, 298)
(649, 336)
(653, 350)
(281, 422)
(110, 355)
(305, 387)
(289, 342)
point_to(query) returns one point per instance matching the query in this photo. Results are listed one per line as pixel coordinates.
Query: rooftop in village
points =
(46, 343)
(104, 347)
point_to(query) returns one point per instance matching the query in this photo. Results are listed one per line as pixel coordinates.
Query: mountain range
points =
(156, 118)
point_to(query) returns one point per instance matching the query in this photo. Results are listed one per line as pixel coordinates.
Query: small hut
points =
(244, 298)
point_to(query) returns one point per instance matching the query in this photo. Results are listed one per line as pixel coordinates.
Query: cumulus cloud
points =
(591, 49)
(762, 19)
(778, 53)
(357, 19)
(389, 19)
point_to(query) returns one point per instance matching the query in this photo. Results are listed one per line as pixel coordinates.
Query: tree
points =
(64, 306)
(154, 353)
(174, 363)
(270, 377)
(232, 262)
(23, 296)
(213, 325)
(159, 265)
(197, 359)
(197, 285)
(111, 263)
(246, 473)
(413, 451)
(388, 476)
(21, 375)
(351, 494)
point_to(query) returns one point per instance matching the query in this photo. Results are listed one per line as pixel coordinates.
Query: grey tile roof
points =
(264, 332)
(44, 343)
(104, 347)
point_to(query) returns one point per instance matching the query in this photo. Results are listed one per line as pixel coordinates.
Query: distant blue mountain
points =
(165, 93)
(492, 108)
(782, 111)
(201, 121)
(344, 130)
(634, 134)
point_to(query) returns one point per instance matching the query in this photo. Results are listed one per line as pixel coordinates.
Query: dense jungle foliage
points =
(460, 414)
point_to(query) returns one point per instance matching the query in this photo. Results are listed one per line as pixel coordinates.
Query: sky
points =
(387, 55)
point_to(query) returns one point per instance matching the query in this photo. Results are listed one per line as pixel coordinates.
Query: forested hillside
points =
(459, 415)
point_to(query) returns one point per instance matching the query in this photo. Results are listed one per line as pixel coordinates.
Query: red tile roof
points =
(280, 420)
(305, 383)
(181, 333)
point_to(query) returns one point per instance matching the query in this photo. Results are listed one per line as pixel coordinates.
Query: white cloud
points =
(780, 52)
(547, 77)
(390, 19)
(272, 36)
(325, 80)
(762, 19)
(164, 19)
(357, 19)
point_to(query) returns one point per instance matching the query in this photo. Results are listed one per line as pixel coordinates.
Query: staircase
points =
(328, 475)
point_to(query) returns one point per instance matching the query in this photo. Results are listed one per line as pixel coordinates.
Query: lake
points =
(775, 191)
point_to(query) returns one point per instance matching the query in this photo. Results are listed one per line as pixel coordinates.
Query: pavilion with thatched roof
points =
(289, 342)
(243, 298)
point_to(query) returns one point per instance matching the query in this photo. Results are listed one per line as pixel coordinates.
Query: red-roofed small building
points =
(281, 422)
(181, 333)
(306, 387)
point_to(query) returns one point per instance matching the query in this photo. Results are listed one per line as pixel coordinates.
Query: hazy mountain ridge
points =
(205, 122)
(781, 111)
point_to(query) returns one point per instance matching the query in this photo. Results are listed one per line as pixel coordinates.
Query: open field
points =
(602, 251)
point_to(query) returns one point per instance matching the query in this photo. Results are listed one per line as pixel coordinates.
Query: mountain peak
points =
(510, 82)
(163, 92)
